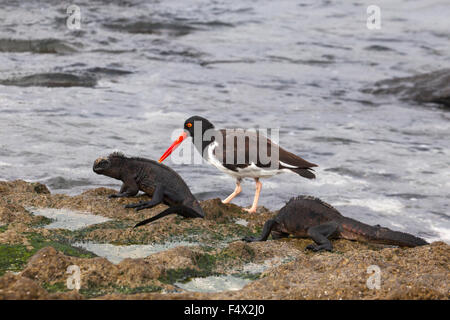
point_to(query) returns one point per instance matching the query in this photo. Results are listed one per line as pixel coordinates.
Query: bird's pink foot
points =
(251, 210)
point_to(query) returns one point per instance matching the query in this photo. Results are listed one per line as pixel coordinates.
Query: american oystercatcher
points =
(241, 154)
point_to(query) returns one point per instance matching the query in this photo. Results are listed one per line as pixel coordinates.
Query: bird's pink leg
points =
(236, 191)
(255, 200)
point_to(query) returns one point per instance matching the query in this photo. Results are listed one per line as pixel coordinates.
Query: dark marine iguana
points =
(309, 217)
(157, 180)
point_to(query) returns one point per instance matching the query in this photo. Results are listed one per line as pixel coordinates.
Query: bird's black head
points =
(197, 123)
(195, 127)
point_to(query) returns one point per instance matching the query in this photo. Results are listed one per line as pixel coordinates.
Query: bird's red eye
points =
(189, 125)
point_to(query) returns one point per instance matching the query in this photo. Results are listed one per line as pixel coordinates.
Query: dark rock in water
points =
(177, 27)
(429, 87)
(171, 29)
(63, 183)
(214, 23)
(376, 47)
(108, 71)
(35, 46)
(52, 80)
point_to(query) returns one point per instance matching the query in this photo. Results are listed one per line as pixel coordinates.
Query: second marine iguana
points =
(309, 217)
(157, 180)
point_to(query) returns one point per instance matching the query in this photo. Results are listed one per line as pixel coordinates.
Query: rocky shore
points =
(34, 256)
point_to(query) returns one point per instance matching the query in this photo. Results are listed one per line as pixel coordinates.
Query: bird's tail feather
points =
(304, 172)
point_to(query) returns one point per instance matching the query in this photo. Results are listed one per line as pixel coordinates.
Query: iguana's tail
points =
(402, 239)
(182, 210)
(364, 232)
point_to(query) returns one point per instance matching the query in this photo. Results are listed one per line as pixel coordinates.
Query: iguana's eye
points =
(189, 125)
(103, 163)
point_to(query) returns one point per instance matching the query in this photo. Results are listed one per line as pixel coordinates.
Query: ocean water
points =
(135, 70)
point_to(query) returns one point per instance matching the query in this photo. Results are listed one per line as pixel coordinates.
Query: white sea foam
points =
(116, 253)
(242, 222)
(214, 284)
(384, 205)
(178, 116)
(443, 234)
(332, 178)
(255, 268)
(67, 219)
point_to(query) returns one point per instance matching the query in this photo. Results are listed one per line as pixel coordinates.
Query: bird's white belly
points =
(253, 171)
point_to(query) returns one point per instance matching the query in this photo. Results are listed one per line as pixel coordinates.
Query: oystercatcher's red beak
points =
(174, 145)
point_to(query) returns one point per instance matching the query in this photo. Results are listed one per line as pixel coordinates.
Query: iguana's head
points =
(109, 166)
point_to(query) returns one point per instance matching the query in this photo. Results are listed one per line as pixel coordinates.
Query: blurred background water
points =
(145, 66)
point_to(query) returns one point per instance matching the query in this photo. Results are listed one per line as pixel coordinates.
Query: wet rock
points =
(52, 80)
(15, 235)
(282, 269)
(219, 212)
(49, 266)
(15, 287)
(242, 250)
(40, 188)
(35, 46)
(98, 192)
(417, 273)
(429, 87)
(70, 295)
(11, 212)
(7, 212)
(21, 186)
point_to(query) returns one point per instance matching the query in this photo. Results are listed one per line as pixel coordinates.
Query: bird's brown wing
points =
(243, 154)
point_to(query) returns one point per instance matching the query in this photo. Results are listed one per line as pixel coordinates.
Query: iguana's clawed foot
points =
(143, 205)
(134, 205)
(111, 196)
(316, 248)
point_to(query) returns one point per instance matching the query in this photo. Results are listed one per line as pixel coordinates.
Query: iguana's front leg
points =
(128, 189)
(157, 198)
(265, 233)
(320, 236)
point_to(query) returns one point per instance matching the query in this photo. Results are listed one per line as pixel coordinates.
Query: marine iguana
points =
(157, 180)
(309, 217)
